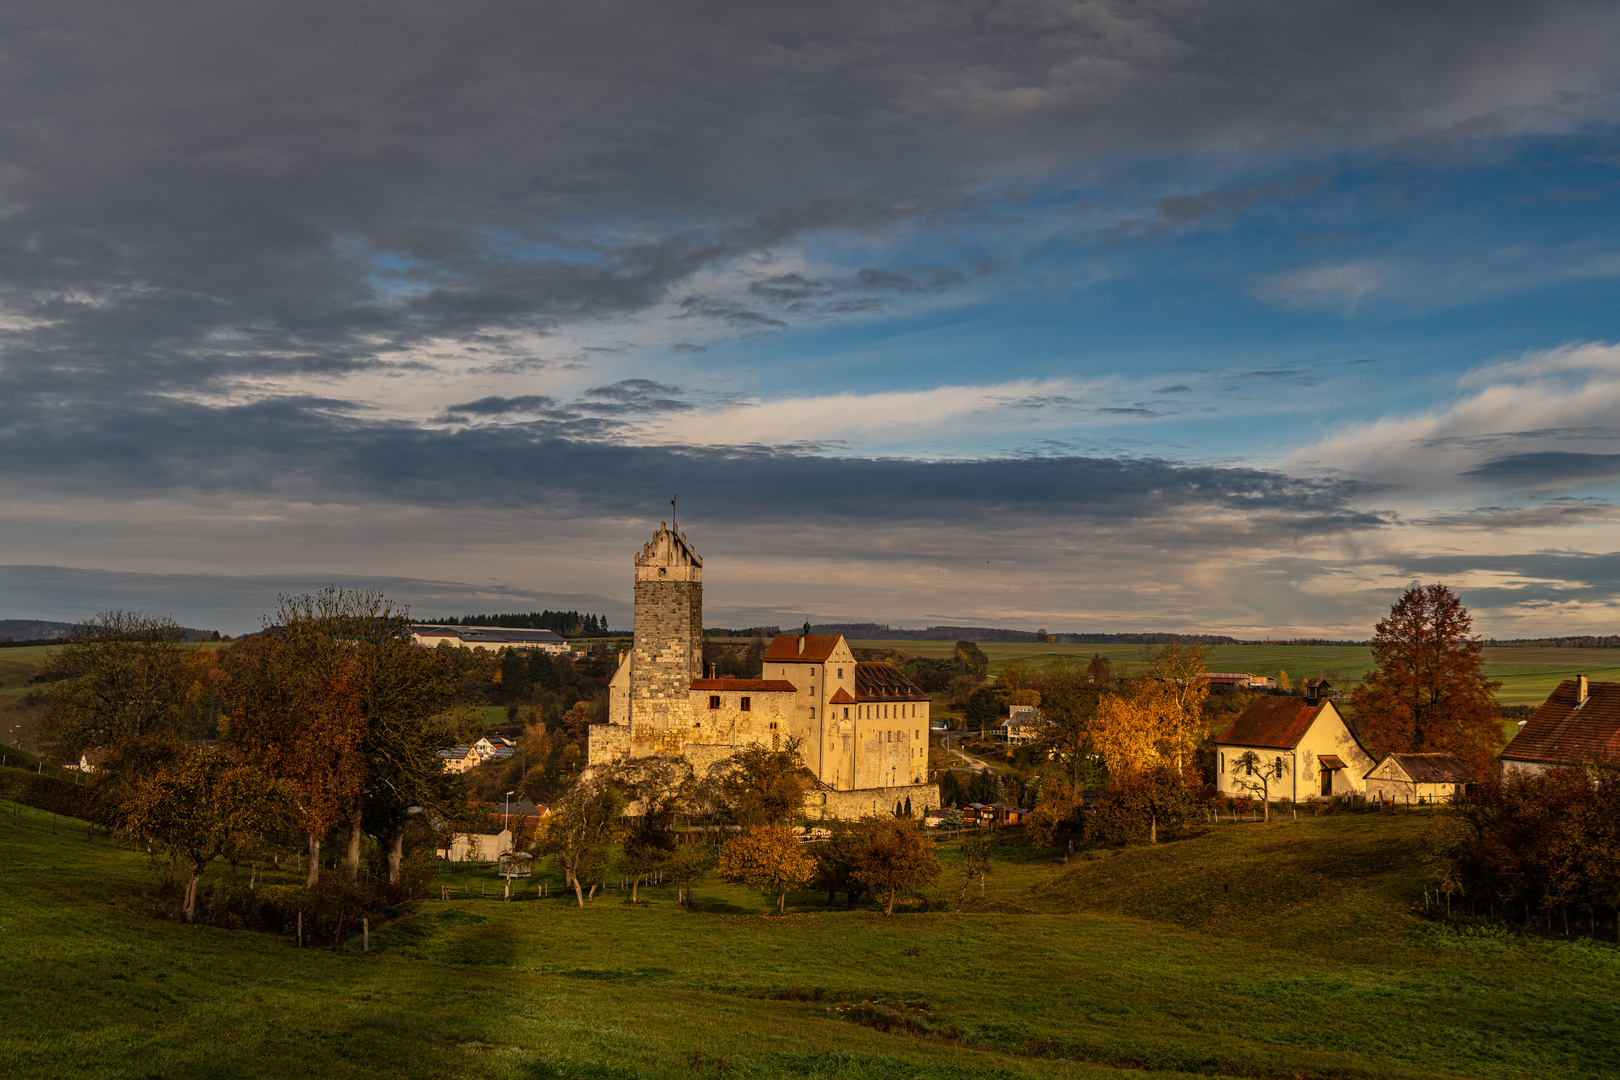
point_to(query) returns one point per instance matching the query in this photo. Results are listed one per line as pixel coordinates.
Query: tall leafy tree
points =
(1069, 696)
(1059, 818)
(580, 827)
(127, 675)
(765, 786)
(1429, 690)
(894, 857)
(294, 706)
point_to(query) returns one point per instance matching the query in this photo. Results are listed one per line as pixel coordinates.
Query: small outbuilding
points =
(1417, 778)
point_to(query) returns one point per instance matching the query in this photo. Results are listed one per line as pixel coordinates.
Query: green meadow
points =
(1527, 675)
(1293, 949)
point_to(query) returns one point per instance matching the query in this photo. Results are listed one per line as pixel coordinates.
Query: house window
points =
(840, 673)
(812, 712)
(846, 714)
(714, 701)
(745, 704)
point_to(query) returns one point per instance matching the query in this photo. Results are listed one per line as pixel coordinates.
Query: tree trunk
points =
(396, 854)
(888, 909)
(981, 882)
(189, 907)
(253, 882)
(314, 877)
(781, 901)
(592, 894)
(961, 900)
(353, 857)
(635, 887)
(1153, 828)
(1068, 851)
(832, 894)
(168, 871)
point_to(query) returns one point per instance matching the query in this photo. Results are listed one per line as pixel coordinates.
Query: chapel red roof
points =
(818, 648)
(1273, 722)
(755, 686)
(1564, 732)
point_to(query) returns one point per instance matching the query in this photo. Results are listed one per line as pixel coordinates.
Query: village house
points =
(493, 638)
(1417, 778)
(458, 759)
(1023, 724)
(861, 727)
(1320, 754)
(479, 846)
(1578, 723)
(494, 748)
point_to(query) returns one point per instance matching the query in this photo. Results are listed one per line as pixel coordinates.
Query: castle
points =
(863, 727)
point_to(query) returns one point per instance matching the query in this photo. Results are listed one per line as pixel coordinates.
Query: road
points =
(947, 742)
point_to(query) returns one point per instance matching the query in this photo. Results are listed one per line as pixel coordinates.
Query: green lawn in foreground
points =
(1269, 951)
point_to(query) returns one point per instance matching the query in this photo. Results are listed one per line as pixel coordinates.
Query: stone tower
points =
(668, 650)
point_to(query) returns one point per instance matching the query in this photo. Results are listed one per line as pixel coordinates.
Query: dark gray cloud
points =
(1545, 576)
(292, 450)
(1546, 469)
(194, 190)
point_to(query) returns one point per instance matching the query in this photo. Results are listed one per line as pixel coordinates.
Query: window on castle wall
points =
(812, 712)
(846, 714)
(714, 701)
(746, 705)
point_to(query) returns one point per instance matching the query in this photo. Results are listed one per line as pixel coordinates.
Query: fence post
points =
(300, 929)
(365, 935)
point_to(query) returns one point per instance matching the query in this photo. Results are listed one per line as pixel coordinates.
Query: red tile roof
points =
(818, 648)
(1560, 733)
(841, 697)
(756, 686)
(1272, 722)
(883, 682)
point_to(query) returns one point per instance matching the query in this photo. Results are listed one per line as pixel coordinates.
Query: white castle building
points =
(863, 727)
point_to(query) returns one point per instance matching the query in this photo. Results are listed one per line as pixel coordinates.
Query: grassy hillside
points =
(1527, 675)
(1262, 951)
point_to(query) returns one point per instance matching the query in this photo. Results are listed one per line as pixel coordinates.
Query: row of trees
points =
(327, 724)
(1535, 845)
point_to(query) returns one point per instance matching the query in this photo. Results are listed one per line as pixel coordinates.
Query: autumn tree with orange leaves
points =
(335, 699)
(1429, 691)
(293, 707)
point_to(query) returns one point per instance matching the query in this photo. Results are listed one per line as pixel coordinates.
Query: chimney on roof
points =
(1580, 691)
(714, 671)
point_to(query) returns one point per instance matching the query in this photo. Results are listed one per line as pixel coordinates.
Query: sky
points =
(1092, 317)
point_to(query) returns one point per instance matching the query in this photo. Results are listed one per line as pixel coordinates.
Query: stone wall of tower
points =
(668, 656)
(668, 650)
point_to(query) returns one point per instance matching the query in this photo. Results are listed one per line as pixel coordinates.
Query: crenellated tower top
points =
(668, 557)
